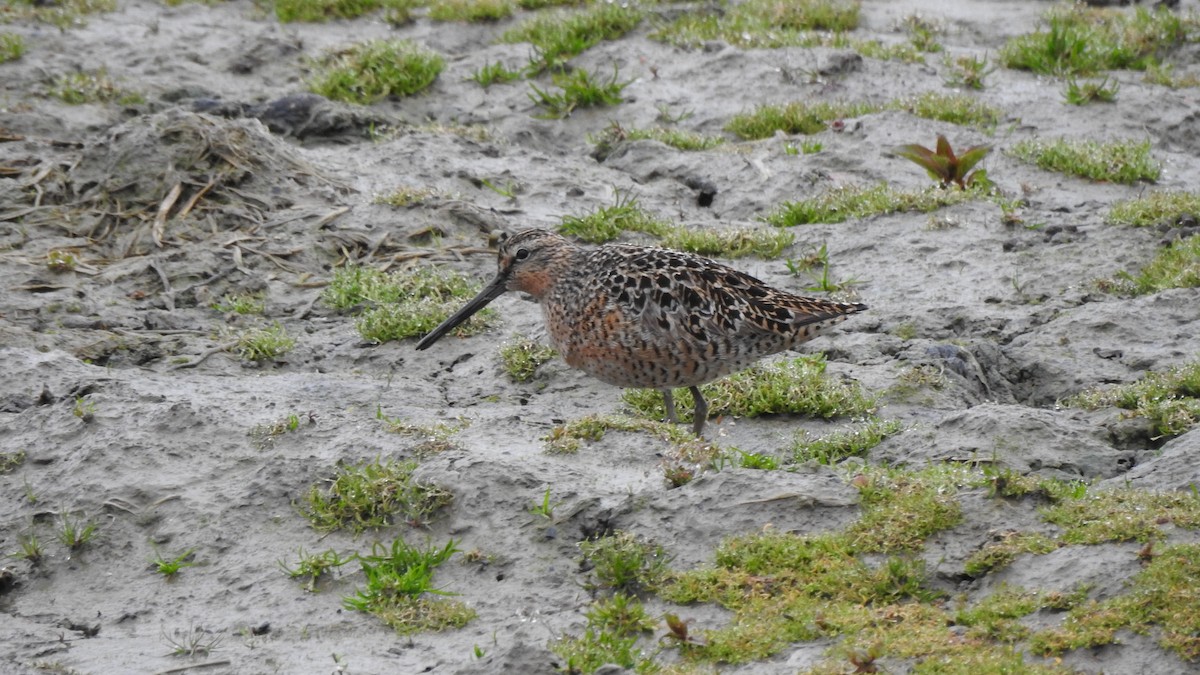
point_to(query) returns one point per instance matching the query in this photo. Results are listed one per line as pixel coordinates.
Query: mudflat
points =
(209, 175)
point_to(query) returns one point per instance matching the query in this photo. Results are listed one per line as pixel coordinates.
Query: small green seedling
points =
(756, 460)
(73, 533)
(169, 567)
(967, 71)
(667, 116)
(31, 495)
(84, 409)
(9, 461)
(944, 165)
(494, 73)
(195, 641)
(241, 303)
(508, 190)
(1082, 93)
(314, 567)
(579, 89)
(677, 474)
(31, 548)
(59, 260)
(822, 281)
(543, 507)
(922, 33)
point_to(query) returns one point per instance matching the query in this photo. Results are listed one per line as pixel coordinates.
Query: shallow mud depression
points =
(223, 227)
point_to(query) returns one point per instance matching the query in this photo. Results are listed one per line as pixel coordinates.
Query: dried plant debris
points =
(176, 175)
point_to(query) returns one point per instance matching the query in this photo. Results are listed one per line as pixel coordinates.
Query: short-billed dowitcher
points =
(652, 318)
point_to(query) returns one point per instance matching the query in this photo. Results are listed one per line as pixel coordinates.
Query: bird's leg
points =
(669, 404)
(701, 414)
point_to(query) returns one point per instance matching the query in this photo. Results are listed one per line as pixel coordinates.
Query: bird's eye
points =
(522, 253)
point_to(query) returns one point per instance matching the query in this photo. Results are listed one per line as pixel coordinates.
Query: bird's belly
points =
(645, 364)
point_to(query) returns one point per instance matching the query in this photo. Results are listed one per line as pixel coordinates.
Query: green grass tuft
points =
(314, 567)
(1164, 74)
(10, 461)
(1082, 41)
(764, 24)
(404, 197)
(1175, 266)
(1168, 400)
(1125, 161)
(577, 89)
(398, 579)
(900, 511)
(833, 448)
(797, 117)
(470, 10)
(1155, 208)
(997, 617)
(608, 222)
(93, 86)
(625, 563)
(521, 357)
(12, 47)
(854, 201)
(65, 14)
(558, 36)
(615, 134)
(961, 109)
(405, 303)
(1122, 515)
(369, 72)
(169, 567)
(263, 344)
(1162, 597)
(610, 637)
(241, 303)
(997, 555)
(494, 73)
(733, 243)
(319, 11)
(968, 72)
(566, 439)
(799, 387)
(372, 495)
(1090, 91)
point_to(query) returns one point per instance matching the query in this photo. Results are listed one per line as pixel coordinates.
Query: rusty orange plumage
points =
(635, 316)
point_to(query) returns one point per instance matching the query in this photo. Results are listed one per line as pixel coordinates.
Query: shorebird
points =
(635, 316)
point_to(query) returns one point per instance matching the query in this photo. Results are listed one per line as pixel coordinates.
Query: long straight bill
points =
(490, 292)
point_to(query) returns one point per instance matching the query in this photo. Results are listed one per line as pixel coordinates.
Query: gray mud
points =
(168, 459)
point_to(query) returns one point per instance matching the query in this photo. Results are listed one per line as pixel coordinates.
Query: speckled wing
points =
(693, 303)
